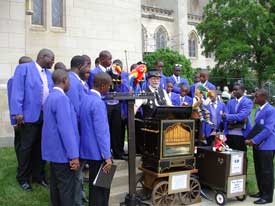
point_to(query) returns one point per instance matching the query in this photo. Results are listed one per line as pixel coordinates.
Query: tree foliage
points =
(241, 34)
(170, 57)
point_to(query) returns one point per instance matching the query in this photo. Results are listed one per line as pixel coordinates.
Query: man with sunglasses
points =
(177, 80)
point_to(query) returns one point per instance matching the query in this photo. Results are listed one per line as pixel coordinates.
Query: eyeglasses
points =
(177, 65)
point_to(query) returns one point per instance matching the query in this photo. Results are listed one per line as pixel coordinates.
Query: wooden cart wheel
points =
(220, 198)
(192, 196)
(142, 192)
(160, 196)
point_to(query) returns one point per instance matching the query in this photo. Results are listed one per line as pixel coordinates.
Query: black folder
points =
(254, 131)
(104, 180)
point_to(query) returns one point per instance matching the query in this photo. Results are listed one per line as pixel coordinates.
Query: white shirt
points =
(262, 107)
(95, 91)
(58, 88)
(177, 78)
(44, 79)
(139, 102)
(102, 68)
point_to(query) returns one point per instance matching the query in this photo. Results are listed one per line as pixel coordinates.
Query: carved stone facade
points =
(88, 26)
(175, 22)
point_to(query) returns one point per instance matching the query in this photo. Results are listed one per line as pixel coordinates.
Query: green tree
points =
(241, 35)
(170, 57)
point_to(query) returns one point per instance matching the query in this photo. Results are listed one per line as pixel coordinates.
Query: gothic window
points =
(38, 12)
(57, 13)
(161, 37)
(193, 45)
(144, 39)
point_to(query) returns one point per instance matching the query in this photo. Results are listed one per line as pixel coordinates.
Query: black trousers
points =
(98, 196)
(17, 144)
(30, 164)
(62, 187)
(264, 170)
(114, 119)
(236, 142)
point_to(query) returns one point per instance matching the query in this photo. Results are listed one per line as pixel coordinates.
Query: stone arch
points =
(193, 42)
(161, 37)
(144, 38)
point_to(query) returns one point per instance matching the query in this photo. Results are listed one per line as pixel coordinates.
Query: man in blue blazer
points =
(264, 148)
(32, 83)
(95, 137)
(204, 81)
(237, 118)
(60, 141)
(22, 60)
(76, 89)
(105, 61)
(79, 67)
(216, 109)
(176, 79)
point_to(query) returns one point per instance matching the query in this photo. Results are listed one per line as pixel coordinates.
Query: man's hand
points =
(108, 163)
(19, 119)
(74, 164)
(249, 142)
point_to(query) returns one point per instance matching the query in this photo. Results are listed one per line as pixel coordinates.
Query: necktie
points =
(237, 106)
(157, 95)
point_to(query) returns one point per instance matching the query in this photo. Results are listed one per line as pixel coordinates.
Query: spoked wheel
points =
(192, 196)
(220, 198)
(142, 192)
(241, 198)
(160, 196)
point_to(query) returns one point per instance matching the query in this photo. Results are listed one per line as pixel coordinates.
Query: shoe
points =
(26, 186)
(261, 201)
(43, 183)
(257, 195)
(120, 157)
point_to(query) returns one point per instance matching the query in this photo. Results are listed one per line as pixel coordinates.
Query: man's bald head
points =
(105, 58)
(59, 75)
(102, 78)
(24, 59)
(203, 75)
(45, 58)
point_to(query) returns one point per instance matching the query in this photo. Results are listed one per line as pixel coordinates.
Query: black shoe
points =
(26, 186)
(257, 195)
(261, 201)
(43, 183)
(120, 157)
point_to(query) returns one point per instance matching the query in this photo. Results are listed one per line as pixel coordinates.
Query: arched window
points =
(193, 45)
(144, 39)
(161, 37)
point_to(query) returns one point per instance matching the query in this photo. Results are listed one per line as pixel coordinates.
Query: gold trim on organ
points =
(177, 134)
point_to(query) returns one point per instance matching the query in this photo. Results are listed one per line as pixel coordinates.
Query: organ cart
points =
(166, 144)
(224, 172)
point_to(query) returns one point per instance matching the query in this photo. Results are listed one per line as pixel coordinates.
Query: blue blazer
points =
(9, 88)
(94, 128)
(208, 85)
(75, 91)
(187, 99)
(27, 90)
(93, 72)
(266, 138)
(176, 88)
(60, 138)
(243, 111)
(221, 108)
(174, 98)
